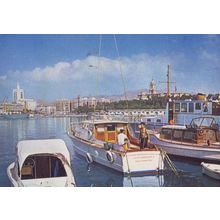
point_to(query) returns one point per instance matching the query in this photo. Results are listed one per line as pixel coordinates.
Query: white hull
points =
(129, 162)
(45, 182)
(186, 150)
(211, 170)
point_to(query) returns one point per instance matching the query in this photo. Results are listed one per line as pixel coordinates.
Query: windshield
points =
(202, 122)
(42, 166)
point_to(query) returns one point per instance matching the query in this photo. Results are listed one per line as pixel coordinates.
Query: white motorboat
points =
(198, 140)
(211, 170)
(41, 163)
(97, 142)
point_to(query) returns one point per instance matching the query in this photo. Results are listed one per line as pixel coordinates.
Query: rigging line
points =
(99, 65)
(120, 67)
(98, 70)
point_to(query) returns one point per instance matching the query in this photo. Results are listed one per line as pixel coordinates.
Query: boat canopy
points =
(48, 146)
(203, 122)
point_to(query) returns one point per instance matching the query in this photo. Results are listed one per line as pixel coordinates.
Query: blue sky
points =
(59, 66)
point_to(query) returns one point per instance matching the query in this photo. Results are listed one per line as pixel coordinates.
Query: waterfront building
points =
(18, 98)
(28, 104)
(18, 94)
(62, 106)
(11, 107)
(46, 110)
(89, 101)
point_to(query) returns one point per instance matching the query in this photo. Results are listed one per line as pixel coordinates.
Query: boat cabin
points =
(105, 131)
(202, 130)
(38, 159)
(108, 131)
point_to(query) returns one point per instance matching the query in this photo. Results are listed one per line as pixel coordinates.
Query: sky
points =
(52, 67)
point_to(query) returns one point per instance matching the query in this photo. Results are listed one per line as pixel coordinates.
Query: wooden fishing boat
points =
(211, 170)
(41, 163)
(97, 142)
(198, 140)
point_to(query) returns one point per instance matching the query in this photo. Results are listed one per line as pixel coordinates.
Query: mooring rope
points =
(129, 171)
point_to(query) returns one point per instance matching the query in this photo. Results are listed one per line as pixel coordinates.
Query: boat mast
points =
(168, 81)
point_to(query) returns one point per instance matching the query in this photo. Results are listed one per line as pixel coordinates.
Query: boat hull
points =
(211, 170)
(189, 151)
(135, 162)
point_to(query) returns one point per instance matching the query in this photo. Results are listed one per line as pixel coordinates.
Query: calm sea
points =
(12, 131)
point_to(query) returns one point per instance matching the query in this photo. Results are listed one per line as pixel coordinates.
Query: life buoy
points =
(89, 158)
(110, 156)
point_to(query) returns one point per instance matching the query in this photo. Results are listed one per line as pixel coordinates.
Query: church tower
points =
(152, 88)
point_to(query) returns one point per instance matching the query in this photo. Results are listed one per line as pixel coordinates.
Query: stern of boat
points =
(143, 162)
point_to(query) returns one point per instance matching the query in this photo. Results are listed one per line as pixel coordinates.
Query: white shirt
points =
(121, 138)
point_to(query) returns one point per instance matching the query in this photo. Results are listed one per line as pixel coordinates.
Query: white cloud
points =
(142, 65)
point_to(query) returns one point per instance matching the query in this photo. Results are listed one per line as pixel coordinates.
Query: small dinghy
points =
(211, 170)
(41, 163)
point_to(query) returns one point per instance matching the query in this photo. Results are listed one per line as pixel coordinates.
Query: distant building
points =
(18, 98)
(63, 106)
(153, 92)
(89, 101)
(152, 89)
(47, 110)
(11, 107)
(18, 94)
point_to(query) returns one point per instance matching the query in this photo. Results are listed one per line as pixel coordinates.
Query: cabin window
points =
(166, 133)
(177, 135)
(42, 166)
(188, 136)
(158, 120)
(177, 107)
(100, 129)
(191, 107)
(198, 106)
(183, 107)
(148, 120)
(111, 127)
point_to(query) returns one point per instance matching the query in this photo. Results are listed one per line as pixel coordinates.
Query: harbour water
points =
(12, 131)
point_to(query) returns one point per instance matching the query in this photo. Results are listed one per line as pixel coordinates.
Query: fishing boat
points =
(198, 140)
(41, 163)
(211, 170)
(96, 140)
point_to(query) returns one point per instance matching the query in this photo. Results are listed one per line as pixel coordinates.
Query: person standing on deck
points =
(143, 137)
(123, 139)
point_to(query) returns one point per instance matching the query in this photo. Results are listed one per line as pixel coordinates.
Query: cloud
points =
(87, 76)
